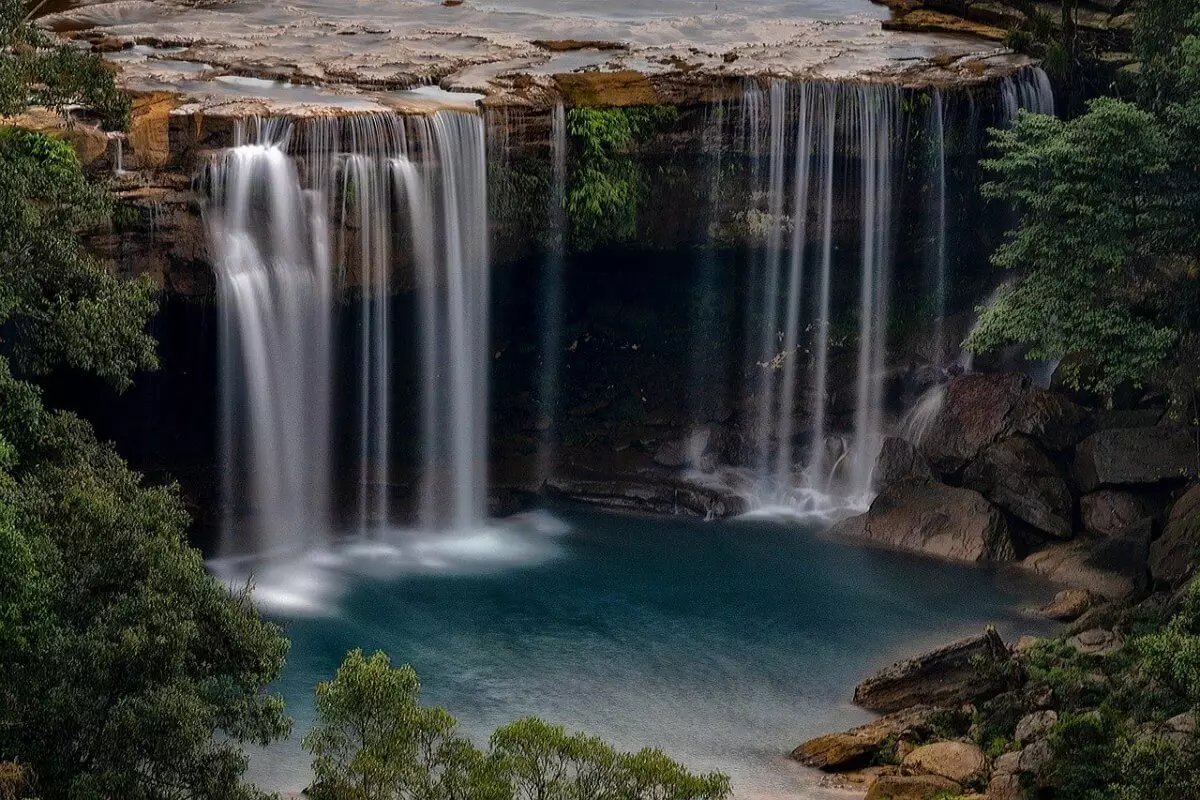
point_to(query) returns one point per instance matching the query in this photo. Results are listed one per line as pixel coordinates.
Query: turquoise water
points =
(725, 644)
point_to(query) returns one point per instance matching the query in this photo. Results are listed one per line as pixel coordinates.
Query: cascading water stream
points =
(455, 303)
(936, 234)
(274, 282)
(877, 123)
(551, 308)
(1029, 89)
(810, 129)
(277, 253)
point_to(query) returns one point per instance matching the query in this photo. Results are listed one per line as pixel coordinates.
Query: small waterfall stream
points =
(822, 137)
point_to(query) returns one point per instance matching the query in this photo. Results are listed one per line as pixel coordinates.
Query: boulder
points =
(1110, 512)
(900, 461)
(944, 521)
(1135, 456)
(1188, 505)
(1005, 787)
(1114, 569)
(1051, 419)
(1007, 763)
(837, 751)
(947, 676)
(1015, 475)
(958, 761)
(912, 787)
(1097, 642)
(976, 411)
(1176, 554)
(1035, 756)
(1068, 605)
(1035, 726)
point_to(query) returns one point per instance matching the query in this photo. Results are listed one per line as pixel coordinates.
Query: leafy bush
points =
(608, 185)
(374, 741)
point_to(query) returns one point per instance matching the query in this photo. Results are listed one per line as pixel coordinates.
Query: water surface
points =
(725, 644)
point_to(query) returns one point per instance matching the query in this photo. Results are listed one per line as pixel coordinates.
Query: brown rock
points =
(975, 412)
(621, 88)
(1051, 419)
(947, 676)
(836, 751)
(957, 761)
(1035, 726)
(1188, 505)
(1110, 512)
(1068, 605)
(1005, 787)
(1015, 475)
(1133, 456)
(1114, 569)
(927, 21)
(1097, 642)
(1175, 555)
(944, 521)
(911, 787)
(149, 129)
(900, 461)
(90, 142)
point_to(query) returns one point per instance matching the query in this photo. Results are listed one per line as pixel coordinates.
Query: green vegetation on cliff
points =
(128, 671)
(607, 184)
(1105, 253)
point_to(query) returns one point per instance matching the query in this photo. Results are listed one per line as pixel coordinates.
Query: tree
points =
(374, 741)
(128, 670)
(1106, 253)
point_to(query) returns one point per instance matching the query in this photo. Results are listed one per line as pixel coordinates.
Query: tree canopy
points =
(1104, 258)
(128, 670)
(373, 740)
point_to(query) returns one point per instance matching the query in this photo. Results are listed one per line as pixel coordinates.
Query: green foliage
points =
(608, 184)
(374, 741)
(1106, 252)
(36, 71)
(1093, 209)
(128, 671)
(125, 656)
(1172, 655)
(59, 304)
(1084, 747)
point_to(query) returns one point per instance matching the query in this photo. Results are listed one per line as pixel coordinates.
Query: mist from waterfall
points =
(298, 212)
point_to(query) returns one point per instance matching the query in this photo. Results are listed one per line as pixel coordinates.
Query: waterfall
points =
(297, 212)
(818, 140)
(1028, 89)
(936, 220)
(274, 281)
(877, 123)
(551, 309)
(455, 290)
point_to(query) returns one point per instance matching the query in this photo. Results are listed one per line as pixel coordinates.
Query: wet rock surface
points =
(1133, 456)
(947, 676)
(977, 411)
(944, 521)
(838, 751)
(1015, 475)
